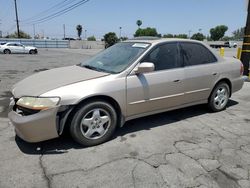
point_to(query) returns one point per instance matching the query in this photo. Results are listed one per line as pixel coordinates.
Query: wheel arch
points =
(227, 81)
(103, 98)
(7, 49)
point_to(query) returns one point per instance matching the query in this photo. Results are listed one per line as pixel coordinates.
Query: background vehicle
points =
(131, 79)
(12, 47)
(228, 44)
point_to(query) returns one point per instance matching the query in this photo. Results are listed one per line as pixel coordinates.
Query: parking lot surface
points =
(189, 147)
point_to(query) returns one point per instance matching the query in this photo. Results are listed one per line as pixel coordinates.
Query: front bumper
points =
(36, 127)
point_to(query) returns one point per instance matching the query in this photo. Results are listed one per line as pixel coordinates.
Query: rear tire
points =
(93, 123)
(219, 97)
(7, 51)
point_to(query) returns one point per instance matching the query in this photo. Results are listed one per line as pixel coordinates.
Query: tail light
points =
(241, 69)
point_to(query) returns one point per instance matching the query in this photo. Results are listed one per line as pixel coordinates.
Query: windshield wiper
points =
(90, 67)
(96, 69)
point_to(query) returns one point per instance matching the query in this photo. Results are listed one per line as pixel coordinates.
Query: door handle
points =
(215, 73)
(176, 80)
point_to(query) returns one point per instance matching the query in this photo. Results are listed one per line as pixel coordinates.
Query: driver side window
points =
(164, 57)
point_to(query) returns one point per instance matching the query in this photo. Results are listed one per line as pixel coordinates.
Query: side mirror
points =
(144, 67)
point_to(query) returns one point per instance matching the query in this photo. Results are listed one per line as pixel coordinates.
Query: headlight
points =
(38, 103)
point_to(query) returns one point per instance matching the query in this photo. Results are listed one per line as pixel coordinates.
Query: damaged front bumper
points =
(38, 126)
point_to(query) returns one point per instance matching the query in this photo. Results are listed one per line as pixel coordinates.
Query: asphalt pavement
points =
(189, 147)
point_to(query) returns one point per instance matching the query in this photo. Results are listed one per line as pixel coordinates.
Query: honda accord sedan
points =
(131, 79)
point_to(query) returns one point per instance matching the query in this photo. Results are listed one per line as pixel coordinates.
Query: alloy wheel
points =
(95, 124)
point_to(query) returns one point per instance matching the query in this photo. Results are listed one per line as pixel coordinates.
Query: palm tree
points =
(79, 31)
(139, 23)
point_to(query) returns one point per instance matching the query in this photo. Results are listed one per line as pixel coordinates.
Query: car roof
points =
(155, 40)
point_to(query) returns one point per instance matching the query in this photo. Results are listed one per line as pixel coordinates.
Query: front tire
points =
(93, 123)
(32, 52)
(219, 97)
(7, 51)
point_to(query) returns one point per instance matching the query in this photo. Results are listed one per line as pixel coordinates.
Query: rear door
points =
(12, 47)
(201, 71)
(160, 89)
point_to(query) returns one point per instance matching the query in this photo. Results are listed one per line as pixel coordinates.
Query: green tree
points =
(181, 36)
(198, 36)
(91, 38)
(124, 38)
(208, 38)
(22, 35)
(79, 31)
(138, 23)
(239, 34)
(218, 32)
(227, 38)
(110, 39)
(146, 32)
(168, 36)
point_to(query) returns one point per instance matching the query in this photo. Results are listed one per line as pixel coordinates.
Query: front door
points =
(19, 48)
(158, 90)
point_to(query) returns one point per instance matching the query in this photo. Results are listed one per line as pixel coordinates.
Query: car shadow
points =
(65, 142)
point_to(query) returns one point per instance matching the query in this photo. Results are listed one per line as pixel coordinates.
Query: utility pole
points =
(34, 31)
(120, 33)
(64, 31)
(1, 34)
(17, 22)
(189, 34)
(245, 55)
(86, 34)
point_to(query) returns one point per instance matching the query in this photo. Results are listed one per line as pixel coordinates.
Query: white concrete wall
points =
(83, 44)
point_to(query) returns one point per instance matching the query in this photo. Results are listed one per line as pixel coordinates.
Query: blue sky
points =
(101, 16)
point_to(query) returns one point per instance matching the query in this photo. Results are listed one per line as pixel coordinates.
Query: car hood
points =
(45, 81)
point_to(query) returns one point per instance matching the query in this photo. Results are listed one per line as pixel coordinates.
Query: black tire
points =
(79, 131)
(7, 51)
(32, 52)
(220, 103)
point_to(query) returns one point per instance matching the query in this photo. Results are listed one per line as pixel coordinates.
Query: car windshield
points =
(116, 58)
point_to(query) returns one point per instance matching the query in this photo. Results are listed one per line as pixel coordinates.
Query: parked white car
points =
(13, 47)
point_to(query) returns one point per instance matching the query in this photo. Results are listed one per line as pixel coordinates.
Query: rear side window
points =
(196, 54)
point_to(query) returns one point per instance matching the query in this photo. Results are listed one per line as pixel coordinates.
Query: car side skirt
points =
(165, 110)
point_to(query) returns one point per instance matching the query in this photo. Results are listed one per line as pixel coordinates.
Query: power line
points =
(43, 13)
(59, 13)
